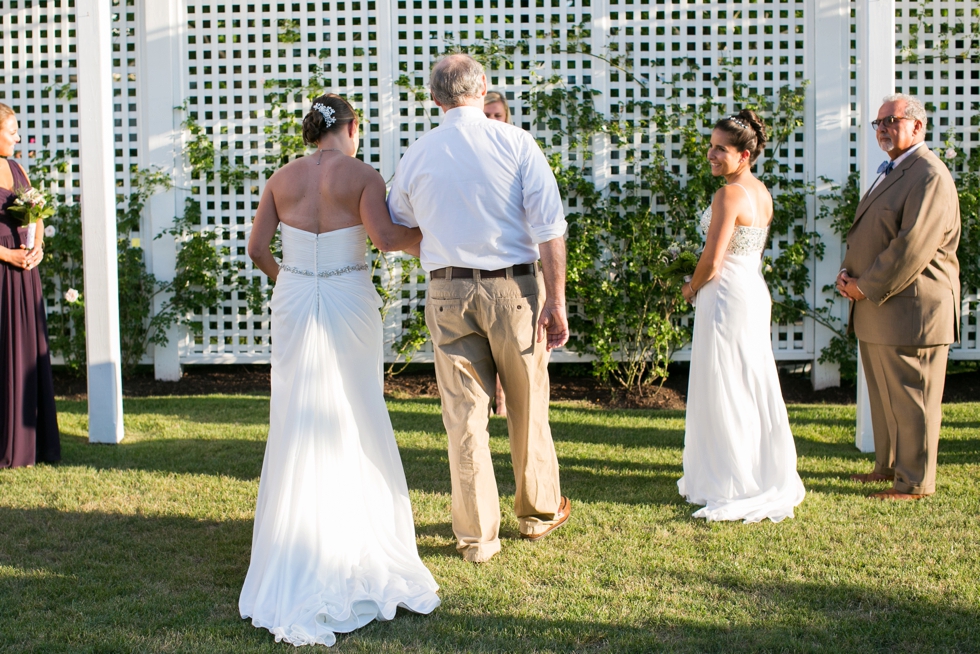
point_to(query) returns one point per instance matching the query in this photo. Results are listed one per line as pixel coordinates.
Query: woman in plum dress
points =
(28, 422)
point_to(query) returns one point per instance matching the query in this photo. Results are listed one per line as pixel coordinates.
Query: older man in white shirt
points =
(488, 206)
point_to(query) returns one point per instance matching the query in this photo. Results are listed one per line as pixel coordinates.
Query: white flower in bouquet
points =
(71, 296)
(31, 197)
(50, 231)
(950, 153)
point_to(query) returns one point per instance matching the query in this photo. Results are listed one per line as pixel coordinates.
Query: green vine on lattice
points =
(967, 32)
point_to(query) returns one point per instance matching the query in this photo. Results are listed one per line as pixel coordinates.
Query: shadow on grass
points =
(582, 478)
(241, 459)
(85, 582)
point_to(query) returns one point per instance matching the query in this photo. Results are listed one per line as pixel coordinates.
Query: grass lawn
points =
(144, 546)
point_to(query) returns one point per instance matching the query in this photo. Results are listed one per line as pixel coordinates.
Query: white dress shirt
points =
(899, 159)
(482, 192)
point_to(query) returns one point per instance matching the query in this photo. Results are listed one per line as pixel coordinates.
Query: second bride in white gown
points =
(739, 454)
(333, 545)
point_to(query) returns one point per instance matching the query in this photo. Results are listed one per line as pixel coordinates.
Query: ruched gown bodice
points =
(333, 545)
(739, 454)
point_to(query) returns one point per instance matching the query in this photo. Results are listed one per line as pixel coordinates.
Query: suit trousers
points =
(481, 328)
(905, 389)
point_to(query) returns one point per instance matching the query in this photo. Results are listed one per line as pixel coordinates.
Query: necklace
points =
(321, 151)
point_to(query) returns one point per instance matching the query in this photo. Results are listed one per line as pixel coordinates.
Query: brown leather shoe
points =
(564, 510)
(872, 477)
(892, 494)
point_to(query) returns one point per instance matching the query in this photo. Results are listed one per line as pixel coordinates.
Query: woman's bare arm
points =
(386, 235)
(263, 230)
(724, 211)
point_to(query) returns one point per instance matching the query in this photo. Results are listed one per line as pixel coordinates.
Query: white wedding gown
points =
(333, 545)
(739, 454)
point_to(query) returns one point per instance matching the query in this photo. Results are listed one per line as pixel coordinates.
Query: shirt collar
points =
(464, 114)
(902, 157)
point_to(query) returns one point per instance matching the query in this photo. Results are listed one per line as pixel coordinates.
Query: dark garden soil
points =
(568, 382)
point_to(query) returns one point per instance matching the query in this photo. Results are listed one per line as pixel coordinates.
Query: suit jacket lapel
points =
(890, 179)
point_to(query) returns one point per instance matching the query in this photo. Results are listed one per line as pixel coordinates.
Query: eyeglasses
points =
(888, 121)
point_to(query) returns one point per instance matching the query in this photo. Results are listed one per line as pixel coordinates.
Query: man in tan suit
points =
(902, 277)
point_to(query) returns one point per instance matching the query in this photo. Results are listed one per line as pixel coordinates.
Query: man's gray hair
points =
(913, 107)
(455, 77)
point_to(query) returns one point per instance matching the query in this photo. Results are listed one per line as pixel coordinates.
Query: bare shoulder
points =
(287, 172)
(730, 196)
(364, 171)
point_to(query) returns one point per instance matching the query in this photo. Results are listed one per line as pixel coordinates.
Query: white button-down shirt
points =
(482, 192)
(899, 159)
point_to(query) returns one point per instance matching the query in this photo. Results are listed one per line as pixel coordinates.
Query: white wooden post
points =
(160, 88)
(98, 199)
(876, 79)
(828, 118)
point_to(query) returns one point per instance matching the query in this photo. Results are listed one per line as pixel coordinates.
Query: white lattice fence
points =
(233, 57)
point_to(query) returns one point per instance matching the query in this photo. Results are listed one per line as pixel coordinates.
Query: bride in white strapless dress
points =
(333, 545)
(739, 454)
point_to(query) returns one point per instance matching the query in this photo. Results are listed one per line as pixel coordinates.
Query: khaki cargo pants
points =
(481, 328)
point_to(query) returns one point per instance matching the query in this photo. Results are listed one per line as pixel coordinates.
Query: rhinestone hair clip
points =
(737, 121)
(327, 113)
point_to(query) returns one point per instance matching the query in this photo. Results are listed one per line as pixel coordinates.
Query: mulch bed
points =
(420, 381)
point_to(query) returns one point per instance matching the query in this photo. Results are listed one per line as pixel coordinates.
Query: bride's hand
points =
(688, 292)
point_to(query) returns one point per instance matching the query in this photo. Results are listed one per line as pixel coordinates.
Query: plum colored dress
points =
(28, 421)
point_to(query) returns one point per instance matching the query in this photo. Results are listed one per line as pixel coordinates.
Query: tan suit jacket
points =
(902, 249)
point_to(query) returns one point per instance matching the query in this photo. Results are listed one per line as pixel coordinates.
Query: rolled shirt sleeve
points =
(542, 201)
(399, 202)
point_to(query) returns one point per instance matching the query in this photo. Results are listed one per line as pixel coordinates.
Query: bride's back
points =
(320, 192)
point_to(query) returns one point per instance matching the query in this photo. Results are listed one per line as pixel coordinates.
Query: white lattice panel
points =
(238, 58)
(946, 77)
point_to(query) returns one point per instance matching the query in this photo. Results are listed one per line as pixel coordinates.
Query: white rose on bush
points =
(50, 231)
(71, 296)
(950, 153)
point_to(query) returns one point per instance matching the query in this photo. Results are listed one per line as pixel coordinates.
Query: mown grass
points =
(144, 546)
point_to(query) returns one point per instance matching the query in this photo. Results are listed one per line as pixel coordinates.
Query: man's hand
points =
(553, 323)
(839, 284)
(847, 286)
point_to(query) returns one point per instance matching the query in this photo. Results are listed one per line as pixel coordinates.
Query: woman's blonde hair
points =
(497, 96)
(5, 112)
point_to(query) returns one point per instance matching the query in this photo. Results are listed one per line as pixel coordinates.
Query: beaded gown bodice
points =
(745, 240)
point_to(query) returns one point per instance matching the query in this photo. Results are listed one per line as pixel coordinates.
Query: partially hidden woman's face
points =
(495, 111)
(9, 136)
(724, 157)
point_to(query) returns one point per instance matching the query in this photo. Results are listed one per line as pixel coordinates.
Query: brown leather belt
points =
(453, 272)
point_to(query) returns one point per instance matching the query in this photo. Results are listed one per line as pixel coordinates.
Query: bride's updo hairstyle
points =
(330, 112)
(746, 132)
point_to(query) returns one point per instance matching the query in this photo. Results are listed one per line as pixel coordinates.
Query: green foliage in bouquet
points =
(30, 205)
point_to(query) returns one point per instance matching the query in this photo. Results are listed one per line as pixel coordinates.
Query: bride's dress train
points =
(739, 454)
(333, 545)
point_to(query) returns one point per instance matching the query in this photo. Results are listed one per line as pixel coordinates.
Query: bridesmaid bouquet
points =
(31, 206)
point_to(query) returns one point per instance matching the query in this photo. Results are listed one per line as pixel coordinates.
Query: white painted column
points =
(160, 89)
(387, 91)
(876, 79)
(98, 199)
(827, 119)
